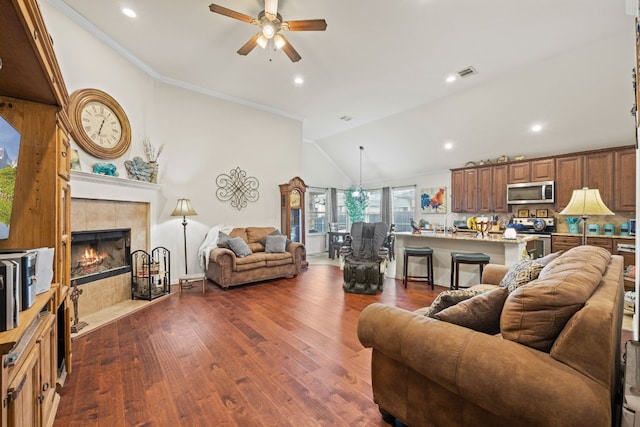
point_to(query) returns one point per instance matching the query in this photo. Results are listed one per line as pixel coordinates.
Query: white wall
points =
(202, 137)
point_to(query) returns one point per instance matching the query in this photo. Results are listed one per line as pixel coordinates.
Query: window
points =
(403, 207)
(374, 211)
(343, 217)
(317, 212)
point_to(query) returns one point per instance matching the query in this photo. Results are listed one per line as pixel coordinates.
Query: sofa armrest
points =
(221, 256)
(493, 273)
(507, 379)
(298, 251)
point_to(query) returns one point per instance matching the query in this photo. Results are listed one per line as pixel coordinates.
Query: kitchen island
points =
(501, 250)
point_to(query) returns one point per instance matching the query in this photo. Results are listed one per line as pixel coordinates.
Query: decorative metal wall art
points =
(238, 188)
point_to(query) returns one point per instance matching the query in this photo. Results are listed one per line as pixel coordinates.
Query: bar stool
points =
(458, 258)
(418, 252)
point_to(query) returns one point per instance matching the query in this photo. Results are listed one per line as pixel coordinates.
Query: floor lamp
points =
(184, 209)
(585, 202)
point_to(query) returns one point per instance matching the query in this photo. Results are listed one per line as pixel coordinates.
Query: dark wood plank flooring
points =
(280, 353)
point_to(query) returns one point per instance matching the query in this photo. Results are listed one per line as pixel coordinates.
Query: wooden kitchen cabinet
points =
(499, 189)
(568, 178)
(519, 172)
(470, 202)
(598, 173)
(625, 181)
(457, 190)
(485, 189)
(543, 170)
(563, 243)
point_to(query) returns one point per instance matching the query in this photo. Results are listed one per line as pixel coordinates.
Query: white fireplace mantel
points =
(87, 185)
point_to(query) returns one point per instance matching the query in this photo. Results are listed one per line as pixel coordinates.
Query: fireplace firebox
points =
(99, 254)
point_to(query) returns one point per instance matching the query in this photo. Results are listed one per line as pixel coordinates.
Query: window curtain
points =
(386, 214)
(333, 204)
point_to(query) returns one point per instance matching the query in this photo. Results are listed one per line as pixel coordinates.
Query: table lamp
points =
(184, 209)
(585, 202)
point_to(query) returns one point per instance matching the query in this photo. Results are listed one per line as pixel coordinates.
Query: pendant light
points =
(358, 193)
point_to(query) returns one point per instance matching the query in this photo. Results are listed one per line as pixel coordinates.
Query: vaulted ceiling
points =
(566, 65)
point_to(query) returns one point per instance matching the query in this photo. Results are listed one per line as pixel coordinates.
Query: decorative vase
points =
(154, 173)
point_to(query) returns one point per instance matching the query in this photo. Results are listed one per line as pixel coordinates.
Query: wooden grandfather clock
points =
(292, 208)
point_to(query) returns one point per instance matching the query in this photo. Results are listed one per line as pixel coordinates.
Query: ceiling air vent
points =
(466, 72)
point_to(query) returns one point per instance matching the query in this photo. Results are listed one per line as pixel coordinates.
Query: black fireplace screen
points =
(99, 254)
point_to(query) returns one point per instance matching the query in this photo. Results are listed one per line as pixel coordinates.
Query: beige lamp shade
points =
(183, 208)
(586, 201)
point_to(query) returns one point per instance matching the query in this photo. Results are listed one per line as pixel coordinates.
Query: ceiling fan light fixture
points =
(279, 41)
(268, 31)
(262, 41)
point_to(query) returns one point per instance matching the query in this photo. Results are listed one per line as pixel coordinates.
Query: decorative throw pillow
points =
(520, 274)
(480, 313)
(446, 299)
(239, 247)
(223, 240)
(275, 232)
(275, 244)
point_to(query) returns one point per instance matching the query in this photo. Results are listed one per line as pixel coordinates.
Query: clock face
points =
(101, 124)
(295, 199)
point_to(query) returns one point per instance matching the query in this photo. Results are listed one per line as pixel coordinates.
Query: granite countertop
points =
(492, 238)
(615, 236)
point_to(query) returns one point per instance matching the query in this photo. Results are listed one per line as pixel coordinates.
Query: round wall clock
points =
(99, 125)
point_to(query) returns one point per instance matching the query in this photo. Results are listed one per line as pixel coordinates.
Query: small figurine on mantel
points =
(138, 169)
(108, 169)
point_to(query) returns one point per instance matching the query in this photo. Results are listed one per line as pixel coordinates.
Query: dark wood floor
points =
(281, 353)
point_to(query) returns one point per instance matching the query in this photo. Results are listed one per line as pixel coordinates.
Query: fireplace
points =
(99, 254)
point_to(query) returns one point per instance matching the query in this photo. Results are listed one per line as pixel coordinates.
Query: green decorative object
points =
(357, 202)
(108, 169)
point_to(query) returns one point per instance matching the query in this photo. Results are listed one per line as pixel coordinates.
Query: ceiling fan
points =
(270, 23)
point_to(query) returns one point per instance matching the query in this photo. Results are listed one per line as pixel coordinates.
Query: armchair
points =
(365, 258)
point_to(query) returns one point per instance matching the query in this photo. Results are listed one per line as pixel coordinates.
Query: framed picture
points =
(523, 213)
(434, 200)
(542, 213)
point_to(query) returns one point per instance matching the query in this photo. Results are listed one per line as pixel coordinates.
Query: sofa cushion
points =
(446, 299)
(255, 234)
(275, 244)
(480, 312)
(521, 273)
(274, 259)
(239, 247)
(239, 232)
(548, 258)
(536, 313)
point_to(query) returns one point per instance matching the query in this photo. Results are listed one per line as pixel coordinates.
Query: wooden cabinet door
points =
(519, 173)
(470, 201)
(23, 393)
(543, 170)
(598, 173)
(568, 178)
(499, 188)
(485, 189)
(625, 181)
(48, 371)
(563, 243)
(457, 190)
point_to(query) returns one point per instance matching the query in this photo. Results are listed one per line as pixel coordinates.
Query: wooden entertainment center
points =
(36, 355)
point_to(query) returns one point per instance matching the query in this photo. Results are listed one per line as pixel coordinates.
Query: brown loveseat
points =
(226, 269)
(555, 362)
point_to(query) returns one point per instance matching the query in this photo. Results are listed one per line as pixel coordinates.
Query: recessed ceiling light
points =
(448, 145)
(129, 12)
(298, 80)
(450, 79)
(536, 128)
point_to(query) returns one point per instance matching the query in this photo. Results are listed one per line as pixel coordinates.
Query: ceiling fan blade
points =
(271, 8)
(293, 55)
(305, 25)
(248, 46)
(230, 13)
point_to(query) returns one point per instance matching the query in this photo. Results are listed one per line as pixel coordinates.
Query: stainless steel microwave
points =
(531, 192)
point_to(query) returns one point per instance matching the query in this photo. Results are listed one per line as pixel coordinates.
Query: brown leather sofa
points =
(555, 362)
(226, 269)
